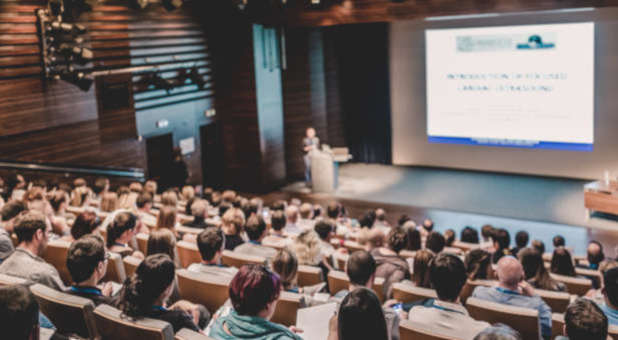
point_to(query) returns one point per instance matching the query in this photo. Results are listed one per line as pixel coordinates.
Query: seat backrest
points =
(187, 334)
(7, 280)
(142, 242)
(409, 293)
(181, 229)
(209, 290)
(233, 259)
(56, 254)
(353, 246)
(69, 313)
(130, 265)
(410, 330)
(407, 254)
(286, 309)
(471, 285)
(465, 246)
(112, 326)
(309, 275)
(589, 273)
(115, 269)
(338, 280)
(557, 324)
(188, 253)
(341, 259)
(575, 285)
(524, 320)
(557, 301)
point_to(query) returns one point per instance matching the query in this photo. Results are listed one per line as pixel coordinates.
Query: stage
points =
(543, 206)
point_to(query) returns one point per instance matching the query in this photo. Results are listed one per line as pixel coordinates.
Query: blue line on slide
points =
(512, 143)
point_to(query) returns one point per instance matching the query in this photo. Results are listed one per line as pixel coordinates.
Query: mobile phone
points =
(397, 306)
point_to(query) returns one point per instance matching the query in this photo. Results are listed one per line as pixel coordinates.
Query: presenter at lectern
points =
(310, 143)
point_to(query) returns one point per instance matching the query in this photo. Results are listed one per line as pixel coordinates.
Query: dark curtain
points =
(363, 59)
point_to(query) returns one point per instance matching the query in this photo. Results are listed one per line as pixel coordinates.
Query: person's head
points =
(228, 196)
(595, 253)
(333, 210)
(136, 187)
(291, 214)
(403, 219)
(361, 316)
(306, 211)
(469, 235)
(101, 185)
(368, 219)
(318, 211)
(562, 263)
(79, 196)
(325, 229)
(279, 205)
(486, 231)
(33, 231)
(498, 332)
(188, 192)
(58, 201)
(151, 285)
(558, 241)
(285, 264)
(420, 268)
(255, 228)
(397, 239)
(9, 212)
(521, 239)
(86, 259)
(435, 242)
(277, 220)
(307, 247)
(19, 312)
(380, 215)
(610, 287)
(447, 275)
(233, 221)
(501, 239)
(144, 201)
(361, 268)
(584, 320)
(199, 208)
(169, 197)
(109, 202)
(538, 245)
(310, 132)
(224, 207)
(210, 243)
(414, 236)
(151, 187)
(254, 291)
(167, 217)
(478, 265)
(85, 223)
(428, 225)
(449, 237)
(161, 241)
(510, 272)
(122, 229)
(532, 262)
(79, 182)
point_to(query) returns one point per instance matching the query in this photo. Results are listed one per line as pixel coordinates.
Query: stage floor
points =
(544, 206)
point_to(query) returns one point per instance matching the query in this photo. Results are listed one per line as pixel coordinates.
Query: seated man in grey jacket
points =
(33, 232)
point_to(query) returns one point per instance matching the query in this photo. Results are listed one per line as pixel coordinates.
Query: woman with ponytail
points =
(145, 294)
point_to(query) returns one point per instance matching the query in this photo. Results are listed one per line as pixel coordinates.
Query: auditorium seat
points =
(407, 254)
(188, 253)
(341, 259)
(182, 230)
(575, 285)
(465, 246)
(338, 280)
(286, 309)
(589, 273)
(112, 325)
(69, 313)
(275, 244)
(7, 280)
(187, 334)
(103, 233)
(524, 320)
(232, 259)
(408, 293)
(471, 285)
(142, 242)
(410, 330)
(209, 290)
(557, 301)
(56, 255)
(309, 276)
(115, 269)
(353, 246)
(557, 324)
(130, 265)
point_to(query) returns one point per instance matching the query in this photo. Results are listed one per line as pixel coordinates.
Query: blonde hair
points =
(306, 210)
(167, 217)
(136, 187)
(188, 192)
(169, 198)
(228, 196)
(422, 260)
(286, 265)
(79, 196)
(151, 187)
(109, 202)
(307, 248)
(161, 241)
(235, 218)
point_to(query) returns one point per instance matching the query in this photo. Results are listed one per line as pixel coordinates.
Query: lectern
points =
(325, 168)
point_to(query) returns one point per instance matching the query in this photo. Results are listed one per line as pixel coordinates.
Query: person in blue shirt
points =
(513, 290)
(610, 295)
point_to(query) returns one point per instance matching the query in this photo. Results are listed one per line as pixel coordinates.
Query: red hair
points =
(253, 288)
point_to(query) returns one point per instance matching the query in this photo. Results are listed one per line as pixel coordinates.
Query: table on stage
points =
(601, 196)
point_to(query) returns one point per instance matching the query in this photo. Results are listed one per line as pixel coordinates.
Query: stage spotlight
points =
(171, 5)
(197, 78)
(79, 79)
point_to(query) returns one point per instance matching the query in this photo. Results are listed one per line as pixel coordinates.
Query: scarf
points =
(249, 327)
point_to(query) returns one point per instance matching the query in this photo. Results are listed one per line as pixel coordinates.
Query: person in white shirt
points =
(292, 216)
(306, 214)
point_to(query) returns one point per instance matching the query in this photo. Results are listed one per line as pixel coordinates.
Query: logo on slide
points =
(535, 42)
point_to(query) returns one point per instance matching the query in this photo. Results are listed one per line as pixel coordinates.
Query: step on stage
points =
(543, 206)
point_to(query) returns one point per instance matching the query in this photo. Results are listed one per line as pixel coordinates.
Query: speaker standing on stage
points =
(310, 143)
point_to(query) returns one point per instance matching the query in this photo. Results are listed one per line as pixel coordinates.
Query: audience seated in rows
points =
(514, 290)
(390, 266)
(210, 243)
(33, 233)
(535, 272)
(87, 264)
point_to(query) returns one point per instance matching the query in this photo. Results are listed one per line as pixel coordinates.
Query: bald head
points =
(510, 272)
